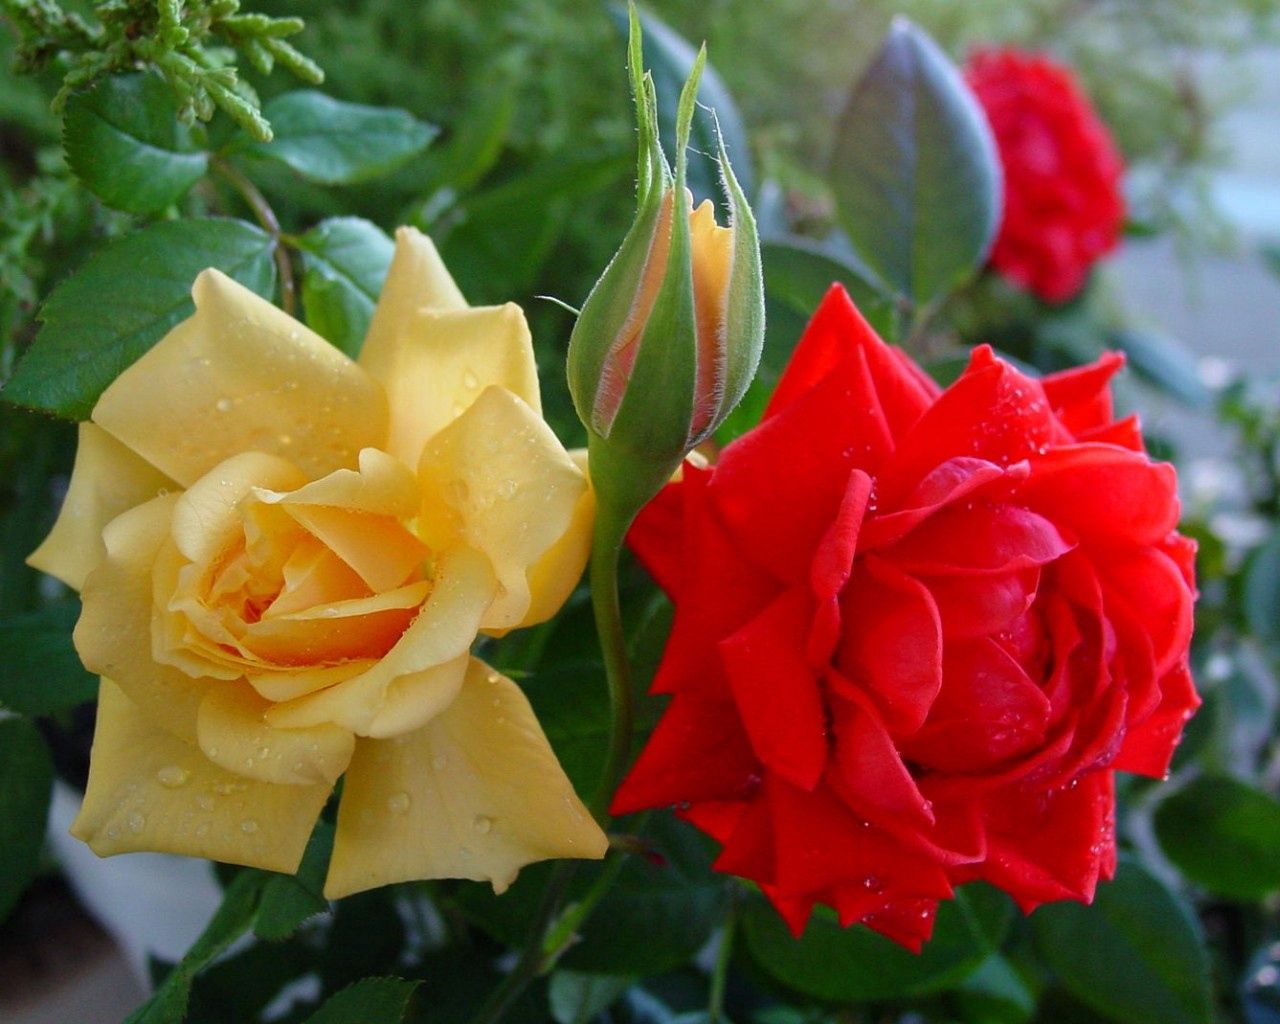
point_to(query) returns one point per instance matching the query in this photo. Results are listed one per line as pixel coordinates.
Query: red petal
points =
(1044, 846)
(803, 457)
(868, 773)
(776, 690)
(837, 329)
(832, 565)
(992, 412)
(987, 711)
(1104, 495)
(720, 593)
(1125, 433)
(1082, 396)
(697, 752)
(954, 479)
(976, 606)
(979, 537)
(657, 537)
(892, 647)
(1149, 745)
(1151, 588)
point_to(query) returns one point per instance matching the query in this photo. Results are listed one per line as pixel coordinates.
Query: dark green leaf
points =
(335, 143)
(1224, 836)
(798, 272)
(1165, 363)
(855, 964)
(288, 900)
(239, 904)
(915, 170)
(1262, 590)
(1136, 955)
(669, 57)
(496, 241)
(123, 139)
(123, 300)
(369, 1001)
(367, 935)
(576, 997)
(26, 778)
(344, 261)
(995, 994)
(42, 672)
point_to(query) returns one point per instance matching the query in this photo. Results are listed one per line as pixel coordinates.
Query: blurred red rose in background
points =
(1063, 208)
(916, 631)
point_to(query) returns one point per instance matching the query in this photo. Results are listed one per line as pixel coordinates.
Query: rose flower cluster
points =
(916, 633)
(1063, 208)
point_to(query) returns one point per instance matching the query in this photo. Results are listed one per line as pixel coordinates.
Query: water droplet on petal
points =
(223, 405)
(202, 830)
(482, 823)
(398, 803)
(248, 826)
(205, 802)
(469, 380)
(172, 776)
(136, 823)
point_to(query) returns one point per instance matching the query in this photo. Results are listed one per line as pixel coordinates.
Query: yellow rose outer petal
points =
(443, 630)
(499, 477)
(234, 735)
(239, 376)
(113, 636)
(149, 790)
(553, 577)
(448, 358)
(477, 793)
(107, 479)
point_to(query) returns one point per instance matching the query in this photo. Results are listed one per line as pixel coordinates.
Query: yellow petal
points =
(240, 375)
(234, 735)
(498, 475)
(433, 354)
(477, 793)
(107, 479)
(149, 790)
(113, 635)
(444, 629)
(282, 686)
(383, 486)
(553, 576)
(207, 517)
(381, 551)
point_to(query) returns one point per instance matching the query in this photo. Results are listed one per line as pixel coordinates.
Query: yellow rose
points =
(284, 557)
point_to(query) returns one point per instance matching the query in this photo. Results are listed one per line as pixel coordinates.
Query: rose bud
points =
(670, 336)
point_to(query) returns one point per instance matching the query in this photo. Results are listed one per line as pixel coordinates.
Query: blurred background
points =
(528, 190)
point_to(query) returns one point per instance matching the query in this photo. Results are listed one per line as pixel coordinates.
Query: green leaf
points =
(344, 262)
(915, 171)
(854, 964)
(669, 58)
(1262, 590)
(42, 672)
(497, 240)
(1164, 363)
(1136, 955)
(123, 300)
(288, 900)
(331, 142)
(123, 139)
(576, 997)
(233, 918)
(1224, 836)
(368, 1001)
(26, 779)
(995, 994)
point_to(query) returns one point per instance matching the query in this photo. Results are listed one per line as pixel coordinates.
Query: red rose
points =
(1063, 209)
(916, 632)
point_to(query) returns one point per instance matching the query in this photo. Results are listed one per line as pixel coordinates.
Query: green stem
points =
(610, 532)
(266, 216)
(720, 974)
